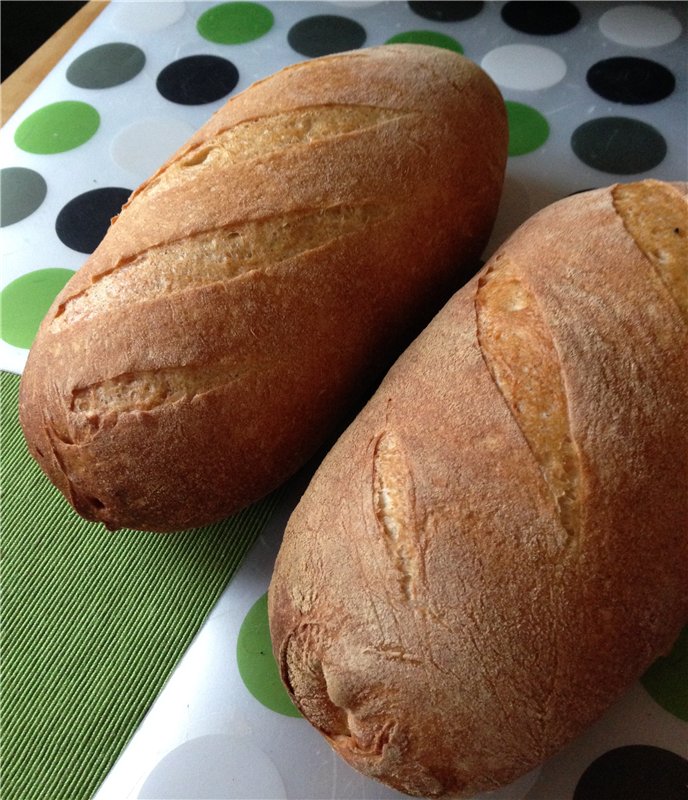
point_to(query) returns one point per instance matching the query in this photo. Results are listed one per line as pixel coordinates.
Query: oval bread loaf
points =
(251, 288)
(498, 545)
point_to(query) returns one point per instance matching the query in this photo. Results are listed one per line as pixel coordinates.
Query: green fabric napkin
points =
(93, 622)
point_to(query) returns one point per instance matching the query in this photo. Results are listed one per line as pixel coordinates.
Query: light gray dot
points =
(216, 766)
(146, 144)
(639, 25)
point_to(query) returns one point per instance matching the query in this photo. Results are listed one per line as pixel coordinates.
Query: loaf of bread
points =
(498, 545)
(260, 280)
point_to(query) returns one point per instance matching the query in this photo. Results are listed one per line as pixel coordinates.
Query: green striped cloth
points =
(93, 622)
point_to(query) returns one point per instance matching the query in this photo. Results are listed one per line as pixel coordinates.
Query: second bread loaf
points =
(498, 545)
(247, 291)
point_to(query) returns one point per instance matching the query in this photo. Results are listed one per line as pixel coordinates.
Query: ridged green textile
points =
(93, 622)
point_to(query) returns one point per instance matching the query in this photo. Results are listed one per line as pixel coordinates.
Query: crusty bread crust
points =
(251, 289)
(461, 590)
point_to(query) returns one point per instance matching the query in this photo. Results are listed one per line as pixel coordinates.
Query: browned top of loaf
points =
(255, 138)
(497, 546)
(230, 316)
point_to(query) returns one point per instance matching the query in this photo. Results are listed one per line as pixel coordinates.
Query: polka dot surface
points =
(143, 146)
(235, 23)
(432, 38)
(446, 10)
(84, 220)
(22, 191)
(146, 17)
(541, 17)
(57, 127)
(640, 25)
(256, 663)
(214, 766)
(666, 679)
(106, 65)
(631, 80)
(195, 80)
(528, 129)
(524, 66)
(325, 34)
(595, 92)
(619, 145)
(26, 300)
(635, 771)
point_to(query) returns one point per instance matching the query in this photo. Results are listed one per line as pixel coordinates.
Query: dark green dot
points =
(21, 192)
(619, 145)
(324, 34)
(528, 129)
(431, 38)
(235, 23)
(667, 679)
(256, 663)
(57, 127)
(106, 65)
(25, 301)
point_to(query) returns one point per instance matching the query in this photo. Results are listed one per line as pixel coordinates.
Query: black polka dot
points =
(22, 191)
(634, 772)
(195, 80)
(445, 10)
(83, 221)
(619, 145)
(325, 34)
(631, 80)
(541, 18)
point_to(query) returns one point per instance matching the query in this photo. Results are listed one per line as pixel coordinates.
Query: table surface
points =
(204, 710)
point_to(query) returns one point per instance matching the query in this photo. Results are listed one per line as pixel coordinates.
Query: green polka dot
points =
(256, 663)
(528, 129)
(57, 127)
(25, 301)
(667, 679)
(235, 23)
(431, 38)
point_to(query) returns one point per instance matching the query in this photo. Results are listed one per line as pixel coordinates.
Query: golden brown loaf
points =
(498, 545)
(251, 287)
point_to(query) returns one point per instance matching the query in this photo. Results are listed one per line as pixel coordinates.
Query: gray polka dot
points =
(106, 65)
(21, 192)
